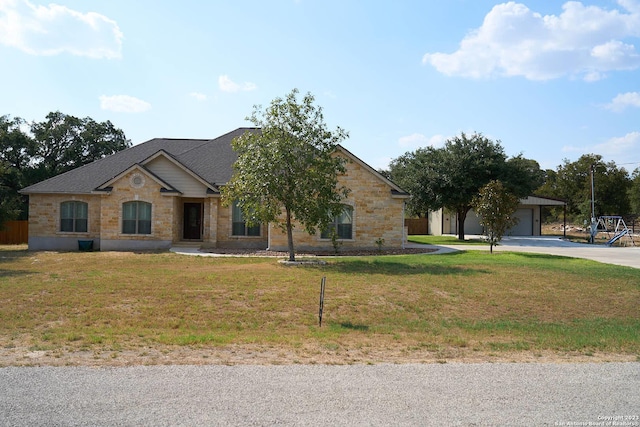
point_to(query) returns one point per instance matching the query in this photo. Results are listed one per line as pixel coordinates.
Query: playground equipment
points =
(610, 224)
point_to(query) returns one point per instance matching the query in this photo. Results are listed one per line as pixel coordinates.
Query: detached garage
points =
(444, 222)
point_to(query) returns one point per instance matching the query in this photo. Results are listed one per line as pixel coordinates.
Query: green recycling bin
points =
(85, 245)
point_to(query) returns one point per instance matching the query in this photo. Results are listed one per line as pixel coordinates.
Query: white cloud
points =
(381, 163)
(227, 85)
(585, 41)
(619, 145)
(624, 100)
(419, 140)
(629, 143)
(123, 104)
(55, 29)
(199, 96)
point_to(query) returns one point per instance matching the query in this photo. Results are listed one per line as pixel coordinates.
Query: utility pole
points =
(594, 224)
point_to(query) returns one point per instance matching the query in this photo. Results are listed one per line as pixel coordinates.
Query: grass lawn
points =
(123, 308)
(444, 240)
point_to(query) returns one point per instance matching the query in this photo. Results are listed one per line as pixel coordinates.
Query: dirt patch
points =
(273, 355)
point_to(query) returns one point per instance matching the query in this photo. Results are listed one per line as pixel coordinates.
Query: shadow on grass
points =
(8, 255)
(349, 325)
(541, 256)
(401, 268)
(13, 273)
(11, 255)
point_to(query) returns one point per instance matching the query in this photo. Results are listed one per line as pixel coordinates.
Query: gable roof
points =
(166, 187)
(210, 159)
(395, 190)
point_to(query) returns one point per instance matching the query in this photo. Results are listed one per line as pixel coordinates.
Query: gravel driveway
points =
(379, 395)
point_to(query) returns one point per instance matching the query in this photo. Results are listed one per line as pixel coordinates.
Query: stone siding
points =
(223, 231)
(376, 215)
(44, 215)
(163, 213)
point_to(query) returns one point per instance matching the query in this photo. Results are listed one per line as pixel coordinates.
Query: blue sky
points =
(551, 80)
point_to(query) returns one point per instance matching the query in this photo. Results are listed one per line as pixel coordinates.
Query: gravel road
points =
(440, 395)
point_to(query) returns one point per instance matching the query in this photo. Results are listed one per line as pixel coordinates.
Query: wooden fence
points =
(14, 233)
(417, 225)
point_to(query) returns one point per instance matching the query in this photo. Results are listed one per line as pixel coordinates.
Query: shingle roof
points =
(211, 159)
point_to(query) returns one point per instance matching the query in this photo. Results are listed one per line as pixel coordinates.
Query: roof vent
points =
(136, 180)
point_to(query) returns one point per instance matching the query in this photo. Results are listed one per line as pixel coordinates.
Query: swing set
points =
(610, 224)
(614, 226)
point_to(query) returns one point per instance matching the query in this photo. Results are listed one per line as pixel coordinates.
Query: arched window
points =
(342, 225)
(239, 226)
(73, 216)
(136, 218)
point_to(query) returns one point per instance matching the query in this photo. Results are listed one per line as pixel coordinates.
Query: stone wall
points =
(376, 215)
(44, 222)
(163, 215)
(44, 215)
(223, 232)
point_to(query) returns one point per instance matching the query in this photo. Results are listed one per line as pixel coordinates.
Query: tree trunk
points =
(462, 215)
(292, 254)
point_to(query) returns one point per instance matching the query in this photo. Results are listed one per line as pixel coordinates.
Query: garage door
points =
(472, 224)
(525, 225)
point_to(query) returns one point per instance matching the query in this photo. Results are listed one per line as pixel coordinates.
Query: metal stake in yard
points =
(322, 285)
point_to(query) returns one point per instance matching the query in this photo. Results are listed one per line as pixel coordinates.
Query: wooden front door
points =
(192, 223)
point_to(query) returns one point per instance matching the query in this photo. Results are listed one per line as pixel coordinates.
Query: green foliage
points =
(451, 176)
(9, 202)
(336, 243)
(16, 147)
(56, 145)
(65, 142)
(634, 192)
(495, 206)
(522, 176)
(288, 169)
(572, 182)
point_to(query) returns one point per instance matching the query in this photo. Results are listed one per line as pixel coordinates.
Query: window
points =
(136, 218)
(342, 225)
(73, 217)
(239, 225)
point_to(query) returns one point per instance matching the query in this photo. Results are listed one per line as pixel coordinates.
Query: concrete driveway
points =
(626, 256)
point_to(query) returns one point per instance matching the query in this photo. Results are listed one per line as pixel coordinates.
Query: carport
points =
(529, 214)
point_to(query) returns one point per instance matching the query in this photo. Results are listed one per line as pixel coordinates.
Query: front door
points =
(192, 224)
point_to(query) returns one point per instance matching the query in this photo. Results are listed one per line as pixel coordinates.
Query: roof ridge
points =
(207, 141)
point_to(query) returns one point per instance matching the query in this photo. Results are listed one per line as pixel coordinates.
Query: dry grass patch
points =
(124, 308)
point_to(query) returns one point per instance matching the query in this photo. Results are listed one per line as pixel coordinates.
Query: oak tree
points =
(451, 176)
(287, 170)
